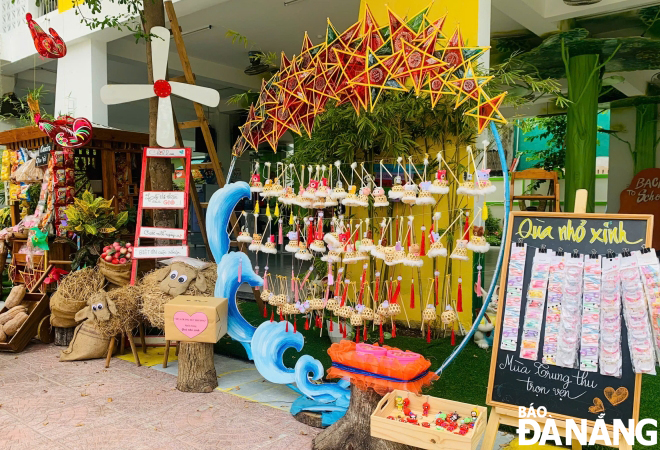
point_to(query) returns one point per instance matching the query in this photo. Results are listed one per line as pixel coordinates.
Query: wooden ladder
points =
(200, 122)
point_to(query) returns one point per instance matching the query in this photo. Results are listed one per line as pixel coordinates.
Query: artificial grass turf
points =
(465, 380)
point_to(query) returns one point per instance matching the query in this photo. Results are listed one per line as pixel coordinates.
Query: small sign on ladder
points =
(162, 200)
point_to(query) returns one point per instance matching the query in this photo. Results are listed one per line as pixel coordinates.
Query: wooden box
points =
(38, 308)
(419, 436)
(190, 318)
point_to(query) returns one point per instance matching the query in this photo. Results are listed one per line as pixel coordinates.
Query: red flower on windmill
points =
(48, 46)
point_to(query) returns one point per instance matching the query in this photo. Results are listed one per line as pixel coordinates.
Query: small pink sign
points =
(189, 325)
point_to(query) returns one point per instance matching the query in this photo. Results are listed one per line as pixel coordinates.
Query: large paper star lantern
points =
(487, 110)
(469, 86)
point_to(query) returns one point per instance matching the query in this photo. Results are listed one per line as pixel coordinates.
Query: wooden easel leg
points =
(178, 345)
(122, 343)
(111, 348)
(133, 349)
(143, 340)
(491, 431)
(167, 354)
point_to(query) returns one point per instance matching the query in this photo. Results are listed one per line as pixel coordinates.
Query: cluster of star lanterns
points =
(356, 66)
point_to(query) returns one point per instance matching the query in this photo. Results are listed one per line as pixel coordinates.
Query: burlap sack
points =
(63, 311)
(117, 274)
(87, 343)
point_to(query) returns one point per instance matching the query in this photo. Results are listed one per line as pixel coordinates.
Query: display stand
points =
(509, 397)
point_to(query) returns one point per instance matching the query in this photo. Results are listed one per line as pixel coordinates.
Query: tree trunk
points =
(160, 169)
(196, 368)
(353, 431)
(645, 135)
(63, 336)
(581, 129)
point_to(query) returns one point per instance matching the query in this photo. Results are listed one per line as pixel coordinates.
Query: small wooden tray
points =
(417, 435)
(37, 308)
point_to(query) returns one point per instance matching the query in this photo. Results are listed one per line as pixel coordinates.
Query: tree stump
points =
(63, 336)
(353, 431)
(196, 368)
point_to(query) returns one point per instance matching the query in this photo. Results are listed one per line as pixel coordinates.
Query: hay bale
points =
(153, 299)
(127, 301)
(72, 294)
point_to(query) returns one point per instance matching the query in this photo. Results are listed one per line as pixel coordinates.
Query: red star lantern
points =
(469, 87)
(377, 76)
(487, 110)
(419, 64)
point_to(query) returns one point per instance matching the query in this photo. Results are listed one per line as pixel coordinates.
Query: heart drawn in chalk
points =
(616, 397)
(597, 407)
(189, 325)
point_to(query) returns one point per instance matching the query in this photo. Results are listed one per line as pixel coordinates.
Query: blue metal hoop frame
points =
(500, 257)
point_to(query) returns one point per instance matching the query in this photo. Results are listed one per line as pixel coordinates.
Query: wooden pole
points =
(196, 368)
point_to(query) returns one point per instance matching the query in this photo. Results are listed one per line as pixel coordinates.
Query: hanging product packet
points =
(635, 314)
(571, 313)
(590, 333)
(513, 300)
(649, 267)
(553, 309)
(610, 317)
(535, 305)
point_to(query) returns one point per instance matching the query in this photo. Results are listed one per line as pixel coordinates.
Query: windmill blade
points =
(198, 94)
(160, 50)
(165, 125)
(112, 94)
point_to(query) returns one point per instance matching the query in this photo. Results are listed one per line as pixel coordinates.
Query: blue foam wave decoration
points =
(267, 343)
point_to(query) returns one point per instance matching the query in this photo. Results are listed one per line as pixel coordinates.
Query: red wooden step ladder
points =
(161, 200)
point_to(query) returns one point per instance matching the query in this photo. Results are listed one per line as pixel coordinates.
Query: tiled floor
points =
(46, 404)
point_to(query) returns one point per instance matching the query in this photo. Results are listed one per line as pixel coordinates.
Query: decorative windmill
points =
(123, 93)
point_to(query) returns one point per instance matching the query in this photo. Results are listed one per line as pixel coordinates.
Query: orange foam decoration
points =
(345, 353)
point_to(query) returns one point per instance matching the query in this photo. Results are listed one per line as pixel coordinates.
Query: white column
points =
(80, 76)
(483, 30)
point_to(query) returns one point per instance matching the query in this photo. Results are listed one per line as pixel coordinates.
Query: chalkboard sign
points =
(42, 156)
(566, 392)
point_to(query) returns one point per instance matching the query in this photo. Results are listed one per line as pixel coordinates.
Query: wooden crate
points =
(38, 308)
(419, 436)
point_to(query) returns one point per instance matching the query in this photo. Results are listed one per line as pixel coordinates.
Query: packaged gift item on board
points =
(610, 318)
(571, 313)
(640, 339)
(553, 308)
(513, 297)
(650, 269)
(535, 305)
(590, 334)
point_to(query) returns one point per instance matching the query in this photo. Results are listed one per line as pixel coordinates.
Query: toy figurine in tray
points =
(428, 422)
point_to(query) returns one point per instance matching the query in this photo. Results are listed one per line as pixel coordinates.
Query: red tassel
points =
(295, 322)
(393, 329)
(343, 296)
(412, 295)
(396, 292)
(362, 281)
(466, 229)
(376, 291)
(310, 233)
(364, 332)
(266, 279)
(453, 338)
(428, 335)
(341, 328)
(431, 239)
(280, 238)
(459, 297)
(408, 237)
(344, 332)
(477, 287)
(381, 338)
(287, 326)
(306, 323)
(435, 288)
(265, 311)
(338, 282)
(280, 313)
(272, 314)
(357, 335)
(422, 251)
(330, 327)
